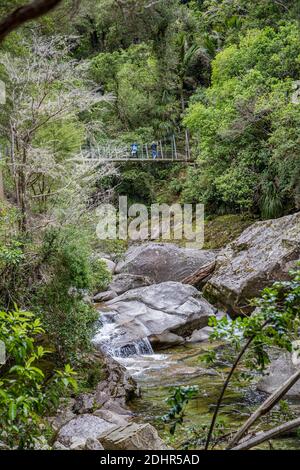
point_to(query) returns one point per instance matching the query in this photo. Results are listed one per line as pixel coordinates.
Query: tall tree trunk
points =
(2, 195)
(187, 134)
(14, 172)
(22, 190)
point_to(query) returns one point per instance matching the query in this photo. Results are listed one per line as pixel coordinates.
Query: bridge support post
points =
(161, 150)
(175, 147)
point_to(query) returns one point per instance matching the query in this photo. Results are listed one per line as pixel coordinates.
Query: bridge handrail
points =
(169, 149)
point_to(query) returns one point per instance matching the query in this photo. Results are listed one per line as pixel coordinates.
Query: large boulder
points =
(124, 282)
(81, 428)
(278, 372)
(111, 266)
(150, 312)
(89, 432)
(132, 437)
(164, 261)
(166, 340)
(104, 296)
(263, 253)
(118, 387)
(200, 336)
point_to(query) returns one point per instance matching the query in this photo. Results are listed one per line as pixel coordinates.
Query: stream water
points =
(158, 373)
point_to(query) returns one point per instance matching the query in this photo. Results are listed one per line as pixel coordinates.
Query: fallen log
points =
(265, 436)
(266, 406)
(200, 274)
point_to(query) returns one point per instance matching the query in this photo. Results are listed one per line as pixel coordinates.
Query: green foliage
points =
(151, 183)
(11, 255)
(222, 21)
(197, 435)
(245, 125)
(13, 261)
(25, 393)
(275, 323)
(54, 277)
(132, 76)
(64, 138)
(271, 203)
(138, 185)
(178, 400)
(73, 275)
(101, 277)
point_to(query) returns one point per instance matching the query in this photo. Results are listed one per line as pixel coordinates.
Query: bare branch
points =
(226, 383)
(267, 405)
(25, 13)
(271, 434)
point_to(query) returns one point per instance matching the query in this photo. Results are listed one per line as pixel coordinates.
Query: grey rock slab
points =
(262, 254)
(164, 261)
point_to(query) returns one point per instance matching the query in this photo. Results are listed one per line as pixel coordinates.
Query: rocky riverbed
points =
(153, 332)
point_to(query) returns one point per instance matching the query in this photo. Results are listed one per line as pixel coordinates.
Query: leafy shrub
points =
(275, 322)
(178, 400)
(137, 184)
(101, 275)
(25, 393)
(245, 125)
(71, 276)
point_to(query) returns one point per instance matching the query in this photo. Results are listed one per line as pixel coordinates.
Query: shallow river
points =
(157, 374)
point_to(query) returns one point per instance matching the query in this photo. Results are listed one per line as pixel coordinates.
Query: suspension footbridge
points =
(169, 149)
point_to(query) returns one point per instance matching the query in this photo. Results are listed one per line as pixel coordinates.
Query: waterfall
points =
(109, 340)
(140, 347)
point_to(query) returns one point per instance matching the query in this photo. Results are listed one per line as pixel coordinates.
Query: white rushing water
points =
(137, 356)
(111, 341)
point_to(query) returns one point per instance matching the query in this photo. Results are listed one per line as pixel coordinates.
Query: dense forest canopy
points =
(226, 70)
(100, 73)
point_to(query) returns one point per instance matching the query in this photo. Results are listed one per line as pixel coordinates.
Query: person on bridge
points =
(154, 150)
(134, 150)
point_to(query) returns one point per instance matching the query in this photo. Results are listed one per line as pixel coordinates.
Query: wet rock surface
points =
(156, 312)
(264, 253)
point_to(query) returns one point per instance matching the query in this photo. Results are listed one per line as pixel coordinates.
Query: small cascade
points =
(141, 347)
(110, 340)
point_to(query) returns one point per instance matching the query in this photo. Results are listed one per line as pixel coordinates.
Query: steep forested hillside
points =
(97, 74)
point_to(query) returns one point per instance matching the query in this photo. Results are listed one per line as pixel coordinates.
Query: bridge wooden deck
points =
(137, 160)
